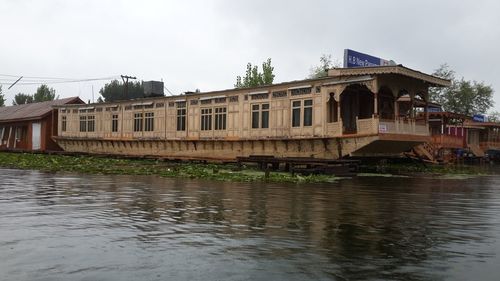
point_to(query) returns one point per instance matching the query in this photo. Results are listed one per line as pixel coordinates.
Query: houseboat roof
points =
(448, 115)
(335, 76)
(32, 111)
(392, 69)
(481, 125)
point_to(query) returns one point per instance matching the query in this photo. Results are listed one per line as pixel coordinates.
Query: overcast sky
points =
(206, 44)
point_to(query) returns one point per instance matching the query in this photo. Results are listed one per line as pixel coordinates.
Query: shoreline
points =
(86, 164)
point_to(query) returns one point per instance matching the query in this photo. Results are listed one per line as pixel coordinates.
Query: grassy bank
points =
(114, 166)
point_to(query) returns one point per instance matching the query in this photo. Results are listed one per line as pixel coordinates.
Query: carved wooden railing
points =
(448, 141)
(486, 145)
(334, 129)
(367, 126)
(403, 126)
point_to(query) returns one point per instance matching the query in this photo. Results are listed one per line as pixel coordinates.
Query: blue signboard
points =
(357, 59)
(479, 118)
(434, 109)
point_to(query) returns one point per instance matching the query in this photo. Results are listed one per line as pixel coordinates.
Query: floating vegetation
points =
(119, 166)
(381, 175)
(412, 169)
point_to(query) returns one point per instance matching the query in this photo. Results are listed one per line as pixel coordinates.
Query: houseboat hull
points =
(229, 150)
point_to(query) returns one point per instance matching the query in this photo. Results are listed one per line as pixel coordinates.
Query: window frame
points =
(206, 119)
(149, 121)
(296, 112)
(64, 123)
(307, 110)
(138, 122)
(181, 118)
(220, 118)
(114, 123)
(83, 123)
(91, 123)
(258, 111)
(302, 113)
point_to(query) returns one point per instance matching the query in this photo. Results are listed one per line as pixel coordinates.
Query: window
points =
(260, 116)
(181, 117)
(308, 112)
(300, 91)
(137, 122)
(259, 96)
(296, 113)
(63, 123)
(18, 133)
(83, 123)
(206, 119)
(114, 123)
(297, 108)
(149, 124)
(220, 100)
(255, 116)
(264, 120)
(220, 118)
(280, 94)
(3, 135)
(90, 123)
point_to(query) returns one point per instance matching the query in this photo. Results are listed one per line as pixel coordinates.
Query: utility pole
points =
(125, 81)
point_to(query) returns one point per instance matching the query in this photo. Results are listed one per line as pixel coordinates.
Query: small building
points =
(30, 127)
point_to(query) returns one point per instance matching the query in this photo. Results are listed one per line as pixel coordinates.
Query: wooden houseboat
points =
(455, 136)
(483, 138)
(351, 112)
(448, 136)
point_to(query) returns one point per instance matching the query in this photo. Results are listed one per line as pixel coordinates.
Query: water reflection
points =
(59, 227)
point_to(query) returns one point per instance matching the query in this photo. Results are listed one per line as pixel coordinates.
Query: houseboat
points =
(484, 138)
(448, 136)
(363, 111)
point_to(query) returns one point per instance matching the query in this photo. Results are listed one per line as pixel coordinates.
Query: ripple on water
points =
(62, 226)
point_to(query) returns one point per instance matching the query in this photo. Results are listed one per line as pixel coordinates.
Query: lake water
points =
(80, 227)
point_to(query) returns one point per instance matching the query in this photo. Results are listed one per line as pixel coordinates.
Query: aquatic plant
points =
(112, 166)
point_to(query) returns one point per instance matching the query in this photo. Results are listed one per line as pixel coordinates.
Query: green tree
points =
(115, 90)
(321, 70)
(463, 96)
(21, 98)
(44, 93)
(253, 77)
(2, 97)
(494, 116)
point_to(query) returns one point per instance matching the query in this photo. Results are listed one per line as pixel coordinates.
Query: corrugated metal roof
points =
(32, 110)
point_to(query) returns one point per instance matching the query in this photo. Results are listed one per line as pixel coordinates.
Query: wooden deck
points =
(303, 165)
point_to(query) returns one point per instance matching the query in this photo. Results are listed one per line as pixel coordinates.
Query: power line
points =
(168, 90)
(36, 82)
(39, 77)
